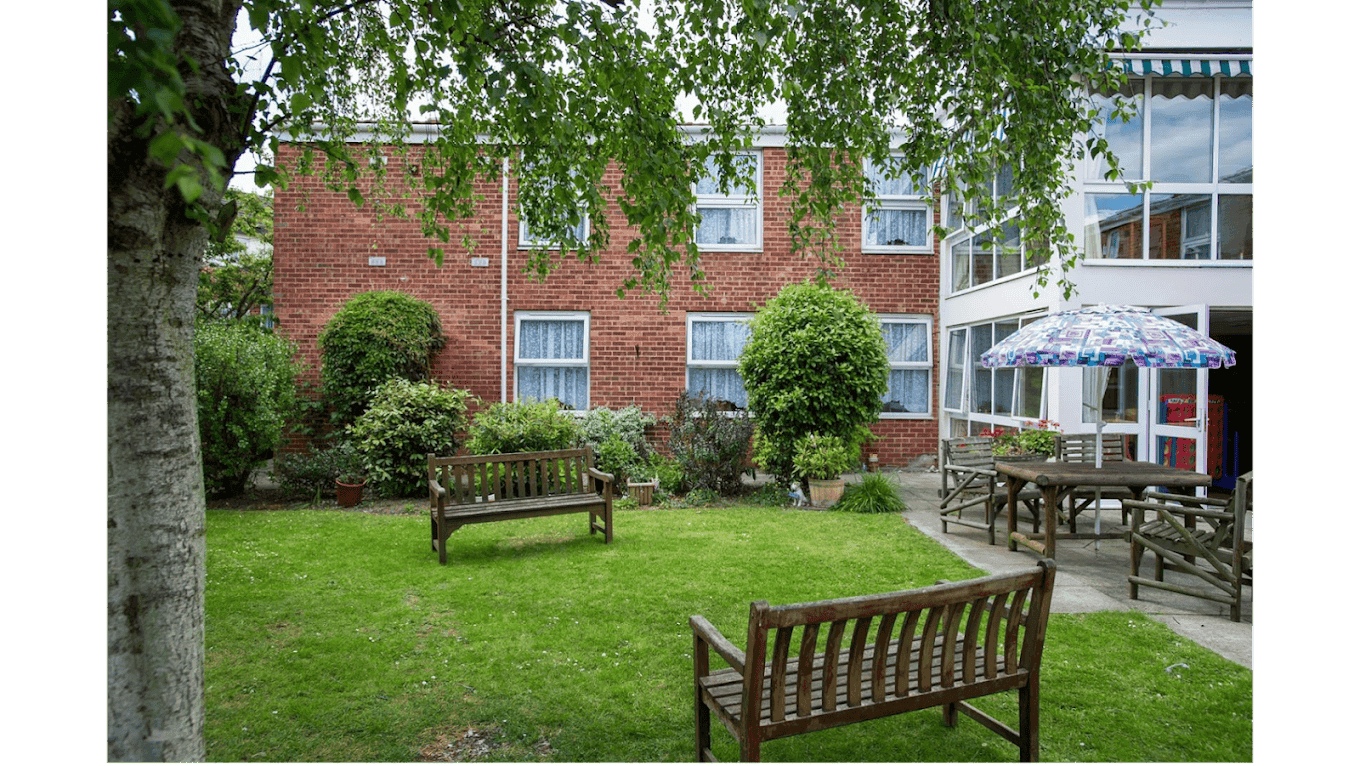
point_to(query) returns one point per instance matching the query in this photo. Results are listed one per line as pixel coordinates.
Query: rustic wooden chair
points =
(1081, 448)
(969, 482)
(1202, 536)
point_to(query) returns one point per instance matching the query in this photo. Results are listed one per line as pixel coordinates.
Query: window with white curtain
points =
(530, 237)
(900, 219)
(714, 343)
(730, 217)
(552, 357)
(1191, 141)
(909, 365)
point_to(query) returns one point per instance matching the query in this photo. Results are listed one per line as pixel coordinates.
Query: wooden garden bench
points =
(909, 650)
(475, 489)
(1081, 448)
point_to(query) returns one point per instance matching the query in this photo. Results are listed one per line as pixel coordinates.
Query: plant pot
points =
(349, 495)
(642, 491)
(825, 492)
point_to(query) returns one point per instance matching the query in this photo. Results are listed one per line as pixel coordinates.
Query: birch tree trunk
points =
(155, 476)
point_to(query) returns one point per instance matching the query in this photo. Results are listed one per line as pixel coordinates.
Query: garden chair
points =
(969, 483)
(1201, 536)
(1081, 448)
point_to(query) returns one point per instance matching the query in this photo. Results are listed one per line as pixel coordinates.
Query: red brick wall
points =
(637, 354)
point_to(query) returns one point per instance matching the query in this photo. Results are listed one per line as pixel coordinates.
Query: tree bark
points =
(155, 476)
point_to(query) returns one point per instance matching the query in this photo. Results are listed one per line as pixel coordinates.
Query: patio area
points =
(1089, 580)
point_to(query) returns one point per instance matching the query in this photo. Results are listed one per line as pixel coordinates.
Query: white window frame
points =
(921, 200)
(964, 412)
(1214, 189)
(736, 199)
(553, 316)
(928, 365)
(709, 364)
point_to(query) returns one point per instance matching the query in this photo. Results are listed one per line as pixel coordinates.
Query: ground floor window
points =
(552, 357)
(991, 394)
(910, 363)
(713, 344)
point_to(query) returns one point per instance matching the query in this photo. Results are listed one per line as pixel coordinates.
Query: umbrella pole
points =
(1100, 453)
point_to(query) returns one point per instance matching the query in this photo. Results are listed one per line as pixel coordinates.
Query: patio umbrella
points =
(1103, 337)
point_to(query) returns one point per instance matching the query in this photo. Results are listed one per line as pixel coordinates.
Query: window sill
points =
(1174, 263)
(893, 250)
(734, 248)
(905, 416)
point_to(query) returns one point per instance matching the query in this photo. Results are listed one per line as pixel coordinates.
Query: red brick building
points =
(596, 349)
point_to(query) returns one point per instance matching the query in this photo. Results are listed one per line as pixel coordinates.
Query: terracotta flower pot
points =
(349, 495)
(825, 492)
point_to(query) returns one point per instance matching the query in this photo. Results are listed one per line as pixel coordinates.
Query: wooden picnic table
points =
(1058, 479)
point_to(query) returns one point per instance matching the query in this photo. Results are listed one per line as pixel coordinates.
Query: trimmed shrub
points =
(407, 422)
(873, 493)
(709, 444)
(530, 426)
(373, 338)
(245, 381)
(816, 363)
(619, 439)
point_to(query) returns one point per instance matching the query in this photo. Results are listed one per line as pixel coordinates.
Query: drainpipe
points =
(505, 239)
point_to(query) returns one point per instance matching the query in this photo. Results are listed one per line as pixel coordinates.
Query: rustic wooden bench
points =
(1081, 448)
(968, 480)
(907, 651)
(475, 489)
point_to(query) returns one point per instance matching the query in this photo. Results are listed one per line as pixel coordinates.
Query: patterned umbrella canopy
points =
(1105, 336)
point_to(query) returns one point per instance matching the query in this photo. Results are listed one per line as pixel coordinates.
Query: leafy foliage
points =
(709, 445)
(313, 473)
(815, 363)
(818, 456)
(873, 493)
(373, 338)
(406, 422)
(1031, 441)
(245, 393)
(235, 278)
(619, 439)
(527, 426)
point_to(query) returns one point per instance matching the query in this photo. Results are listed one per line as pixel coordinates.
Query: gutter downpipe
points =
(505, 234)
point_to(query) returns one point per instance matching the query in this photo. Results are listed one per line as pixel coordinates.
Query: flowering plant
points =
(1040, 440)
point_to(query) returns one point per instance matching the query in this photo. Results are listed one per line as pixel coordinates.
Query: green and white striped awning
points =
(1188, 67)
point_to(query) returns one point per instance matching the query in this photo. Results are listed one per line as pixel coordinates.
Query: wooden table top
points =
(1119, 473)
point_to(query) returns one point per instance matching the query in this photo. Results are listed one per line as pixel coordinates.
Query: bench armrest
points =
(595, 473)
(726, 649)
(436, 489)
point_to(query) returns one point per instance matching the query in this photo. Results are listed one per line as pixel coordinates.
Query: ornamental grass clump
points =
(873, 493)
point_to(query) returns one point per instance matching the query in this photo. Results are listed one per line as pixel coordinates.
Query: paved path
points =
(1089, 580)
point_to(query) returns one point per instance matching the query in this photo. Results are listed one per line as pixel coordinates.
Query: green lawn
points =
(337, 636)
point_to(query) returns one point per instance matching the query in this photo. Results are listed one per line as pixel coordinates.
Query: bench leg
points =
(1029, 721)
(1135, 564)
(951, 714)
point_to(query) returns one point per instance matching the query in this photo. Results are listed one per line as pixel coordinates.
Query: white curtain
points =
(551, 342)
(895, 227)
(720, 341)
(908, 389)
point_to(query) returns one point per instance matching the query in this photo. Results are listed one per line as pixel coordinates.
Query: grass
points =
(335, 636)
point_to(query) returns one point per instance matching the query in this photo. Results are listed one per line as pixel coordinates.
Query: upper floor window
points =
(552, 357)
(713, 345)
(1191, 138)
(730, 214)
(909, 365)
(984, 256)
(534, 236)
(900, 219)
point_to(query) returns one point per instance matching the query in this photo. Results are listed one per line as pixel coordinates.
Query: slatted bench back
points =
(987, 633)
(489, 478)
(969, 451)
(1081, 448)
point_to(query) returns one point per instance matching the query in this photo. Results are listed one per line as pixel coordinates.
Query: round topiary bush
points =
(406, 423)
(815, 363)
(245, 379)
(373, 338)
